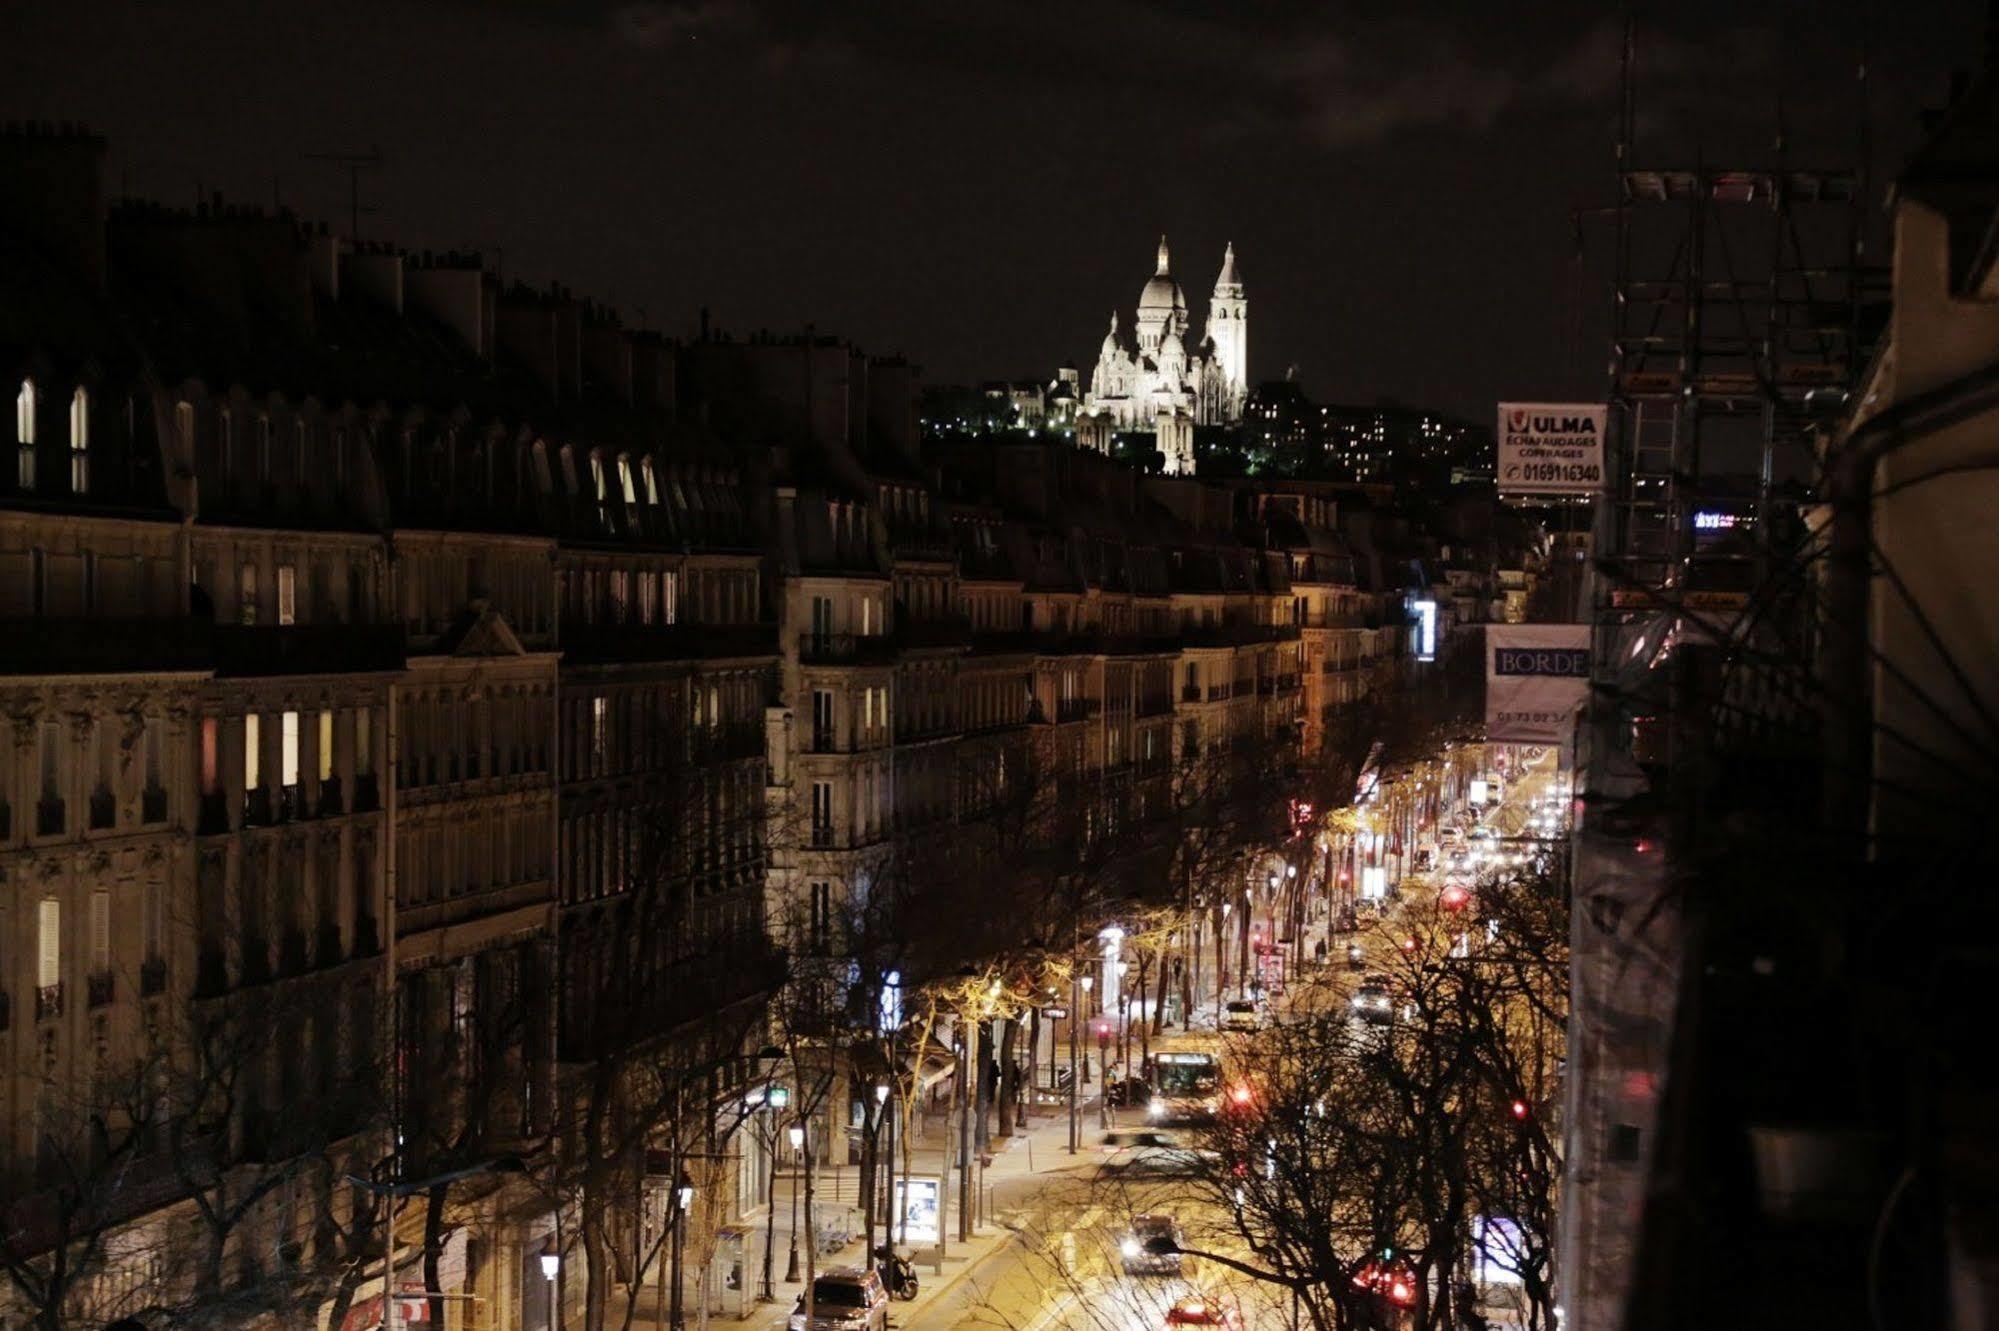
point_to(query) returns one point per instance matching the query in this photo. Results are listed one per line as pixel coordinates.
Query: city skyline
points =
(899, 181)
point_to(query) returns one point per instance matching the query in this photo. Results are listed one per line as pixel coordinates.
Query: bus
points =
(1185, 1085)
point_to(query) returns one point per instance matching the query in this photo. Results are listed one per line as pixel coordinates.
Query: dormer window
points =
(79, 442)
(625, 480)
(24, 434)
(597, 485)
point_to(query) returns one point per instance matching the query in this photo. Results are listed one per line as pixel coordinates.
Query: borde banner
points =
(1536, 676)
(1550, 448)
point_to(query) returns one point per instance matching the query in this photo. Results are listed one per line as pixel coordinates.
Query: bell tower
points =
(1228, 329)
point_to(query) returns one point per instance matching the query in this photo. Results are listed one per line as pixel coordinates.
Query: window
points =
(211, 758)
(24, 434)
(867, 615)
(669, 597)
(625, 479)
(822, 719)
(100, 932)
(253, 758)
(79, 442)
(621, 594)
(326, 746)
(822, 813)
(820, 924)
(648, 595)
(597, 728)
(154, 924)
(287, 594)
(364, 736)
(51, 779)
(597, 486)
(288, 749)
(248, 588)
(48, 922)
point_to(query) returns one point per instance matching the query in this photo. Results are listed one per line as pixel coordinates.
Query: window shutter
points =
(100, 932)
(49, 972)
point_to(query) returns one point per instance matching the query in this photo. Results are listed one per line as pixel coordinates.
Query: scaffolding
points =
(1740, 299)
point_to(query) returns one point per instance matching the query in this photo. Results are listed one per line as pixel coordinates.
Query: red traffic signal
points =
(1519, 1108)
(1409, 944)
(1103, 1028)
(1454, 897)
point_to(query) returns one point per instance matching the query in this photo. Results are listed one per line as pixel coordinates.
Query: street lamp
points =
(683, 1201)
(551, 1270)
(885, 1128)
(796, 1134)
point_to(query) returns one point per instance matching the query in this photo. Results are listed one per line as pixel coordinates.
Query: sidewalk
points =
(1041, 1149)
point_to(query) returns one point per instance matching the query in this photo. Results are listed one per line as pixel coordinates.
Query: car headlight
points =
(1155, 1109)
(1130, 1247)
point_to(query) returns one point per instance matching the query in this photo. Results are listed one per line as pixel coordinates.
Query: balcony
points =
(1077, 709)
(329, 805)
(292, 954)
(50, 819)
(256, 961)
(729, 743)
(100, 987)
(257, 807)
(822, 836)
(49, 646)
(1218, 692)
(367, 798)
(307, 649)
(950, 631)
(211, 972)
(1191, 693)
(598, 643)
(5, 1013)
(48, 1002)
(291, 804)
(1156, 704)
(822, 742)
(367, 936)
(153, 805)
(214, 814)
(845, 649)
(6, 820)
(103, 810)
(152, 977)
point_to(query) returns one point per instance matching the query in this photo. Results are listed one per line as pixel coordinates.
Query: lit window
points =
(326, 746)
(288, 748)
(597, 728)
(48, 974)
(24, 433)
(625, 479)
(287, 594)
(253, 758)
(597, 477)
(79, 443)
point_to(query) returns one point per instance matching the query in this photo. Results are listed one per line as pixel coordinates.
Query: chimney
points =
(456, 291)
(376, 272)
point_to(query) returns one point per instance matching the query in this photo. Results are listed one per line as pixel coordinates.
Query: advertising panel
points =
(916, 1201)
(1552, 449)
(1536, 676)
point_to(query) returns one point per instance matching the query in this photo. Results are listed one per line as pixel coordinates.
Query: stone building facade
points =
(446, 691)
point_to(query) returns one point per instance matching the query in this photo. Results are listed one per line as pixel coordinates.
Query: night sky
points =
(978, 185)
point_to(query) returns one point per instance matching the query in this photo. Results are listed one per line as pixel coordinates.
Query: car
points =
(1241, 1015)
(1151, 1152)
(844, 1298)
(1194, 1310)
(1128, 1091)
(1373, 1001)
(1151, 1247)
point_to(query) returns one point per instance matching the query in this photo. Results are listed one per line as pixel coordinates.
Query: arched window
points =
(24, 434)
(79, 442)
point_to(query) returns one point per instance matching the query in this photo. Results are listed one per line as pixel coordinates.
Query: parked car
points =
(1152, 1246)
(1241, 1015)
(844, 1298)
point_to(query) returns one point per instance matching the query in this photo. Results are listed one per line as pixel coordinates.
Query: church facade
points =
(1161, 380)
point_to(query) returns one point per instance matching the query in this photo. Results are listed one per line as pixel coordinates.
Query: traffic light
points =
(1409, 943)
(1454, 897)
(1519, 1108)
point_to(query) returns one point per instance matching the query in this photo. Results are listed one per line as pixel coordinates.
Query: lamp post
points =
(1103, 1061)
(1124, 1015)
(551, 1272)
(682, 1201)
(1221, 966)
(796, 1134)
(1075, 1015)
(1088, 981)
(884, 1125)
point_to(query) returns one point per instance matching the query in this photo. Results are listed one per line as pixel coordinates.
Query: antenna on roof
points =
(353, 164)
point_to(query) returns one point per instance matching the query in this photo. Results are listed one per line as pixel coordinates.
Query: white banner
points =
(1536, 676)
(1551, 448)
